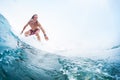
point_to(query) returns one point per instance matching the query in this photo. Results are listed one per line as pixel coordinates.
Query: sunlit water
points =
(20, 61)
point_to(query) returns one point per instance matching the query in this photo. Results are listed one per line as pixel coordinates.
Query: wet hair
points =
(33, 16)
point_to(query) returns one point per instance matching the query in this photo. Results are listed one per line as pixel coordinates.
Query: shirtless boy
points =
(35, 28)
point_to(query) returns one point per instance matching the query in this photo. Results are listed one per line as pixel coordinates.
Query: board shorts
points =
(32, 32)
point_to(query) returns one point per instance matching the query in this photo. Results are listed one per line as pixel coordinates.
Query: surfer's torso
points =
(33, 24)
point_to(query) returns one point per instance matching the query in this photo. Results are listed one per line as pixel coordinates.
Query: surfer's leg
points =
(27, 33)
(38, 36)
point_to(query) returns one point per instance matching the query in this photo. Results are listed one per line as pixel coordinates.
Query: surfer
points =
(35, 28)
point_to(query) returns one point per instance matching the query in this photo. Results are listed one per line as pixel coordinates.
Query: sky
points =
(84, 25)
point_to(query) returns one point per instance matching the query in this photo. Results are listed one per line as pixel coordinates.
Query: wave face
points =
(20, 61)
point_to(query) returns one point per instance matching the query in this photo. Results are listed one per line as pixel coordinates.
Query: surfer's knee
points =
(26, 34)
(38, 36)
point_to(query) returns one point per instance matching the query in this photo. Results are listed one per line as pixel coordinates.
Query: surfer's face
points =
(35, 17)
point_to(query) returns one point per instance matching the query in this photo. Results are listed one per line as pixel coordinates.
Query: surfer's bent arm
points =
(46, 37)
(24, 27)
(42, 29)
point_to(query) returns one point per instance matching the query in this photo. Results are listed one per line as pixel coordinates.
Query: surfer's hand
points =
(46, 38)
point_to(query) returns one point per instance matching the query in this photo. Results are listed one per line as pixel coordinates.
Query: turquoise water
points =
(20, 61)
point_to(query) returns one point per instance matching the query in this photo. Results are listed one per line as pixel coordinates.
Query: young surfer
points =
(35, 28)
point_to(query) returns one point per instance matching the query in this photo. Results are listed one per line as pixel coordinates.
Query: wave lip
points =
(7, 38)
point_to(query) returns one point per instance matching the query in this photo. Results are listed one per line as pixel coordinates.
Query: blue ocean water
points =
(20, 61)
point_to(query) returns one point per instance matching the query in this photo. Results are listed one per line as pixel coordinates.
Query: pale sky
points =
(88, 24)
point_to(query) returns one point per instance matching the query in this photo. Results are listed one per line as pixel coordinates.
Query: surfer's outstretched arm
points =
(24, 27)
(45, 35)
